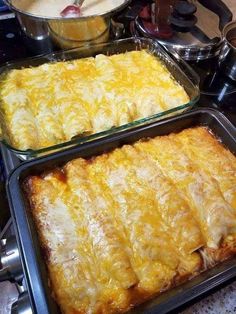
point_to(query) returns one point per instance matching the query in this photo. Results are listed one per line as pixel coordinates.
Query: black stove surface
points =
(14, 44)
(11, 43)
(217, 90)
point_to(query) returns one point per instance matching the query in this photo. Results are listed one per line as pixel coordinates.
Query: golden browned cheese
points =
(128, 224)
(198, 144)
(200, 189)
(54, 102)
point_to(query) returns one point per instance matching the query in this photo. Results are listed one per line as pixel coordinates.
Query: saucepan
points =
(67, 32)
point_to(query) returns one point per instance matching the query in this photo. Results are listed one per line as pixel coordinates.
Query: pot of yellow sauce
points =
(41, 19)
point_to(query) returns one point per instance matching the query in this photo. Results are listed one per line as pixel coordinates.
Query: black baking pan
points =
(32, 257)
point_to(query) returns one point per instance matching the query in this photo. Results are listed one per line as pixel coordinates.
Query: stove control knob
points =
(22, 305)
(10, 263)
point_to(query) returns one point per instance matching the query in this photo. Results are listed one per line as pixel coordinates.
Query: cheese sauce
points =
(52, 8)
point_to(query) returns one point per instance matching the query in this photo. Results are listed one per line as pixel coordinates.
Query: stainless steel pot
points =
(228, 52)
(67, 32)
(182, 26)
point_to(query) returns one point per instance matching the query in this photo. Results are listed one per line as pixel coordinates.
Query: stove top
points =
(217, 91)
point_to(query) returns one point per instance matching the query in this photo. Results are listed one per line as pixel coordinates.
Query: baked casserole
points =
(52, 103)
(126, 225)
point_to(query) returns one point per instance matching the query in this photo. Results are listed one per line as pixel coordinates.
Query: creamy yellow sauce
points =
(52, 8)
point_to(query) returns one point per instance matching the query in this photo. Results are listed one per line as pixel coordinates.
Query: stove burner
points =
(213, 81)
(216, 84)
(217, 90)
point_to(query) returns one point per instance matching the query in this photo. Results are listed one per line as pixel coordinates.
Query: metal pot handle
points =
(10, 262)
(219, 8)
(22, 305)
(4, 274)
(223, 52)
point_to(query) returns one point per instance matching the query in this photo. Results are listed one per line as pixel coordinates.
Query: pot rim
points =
(228, 27)
(63, 19)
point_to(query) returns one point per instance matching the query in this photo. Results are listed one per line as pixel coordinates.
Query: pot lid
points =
(191, 28)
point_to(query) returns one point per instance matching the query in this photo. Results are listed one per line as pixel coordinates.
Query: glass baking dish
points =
(181, 72)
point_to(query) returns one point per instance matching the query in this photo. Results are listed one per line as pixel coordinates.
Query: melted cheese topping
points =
(201, 190)
(126, 225)
(55, 102)
(222, 165)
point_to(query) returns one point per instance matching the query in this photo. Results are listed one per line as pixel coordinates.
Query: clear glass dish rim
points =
(81, 140)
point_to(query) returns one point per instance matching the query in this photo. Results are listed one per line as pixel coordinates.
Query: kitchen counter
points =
(220, 302)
